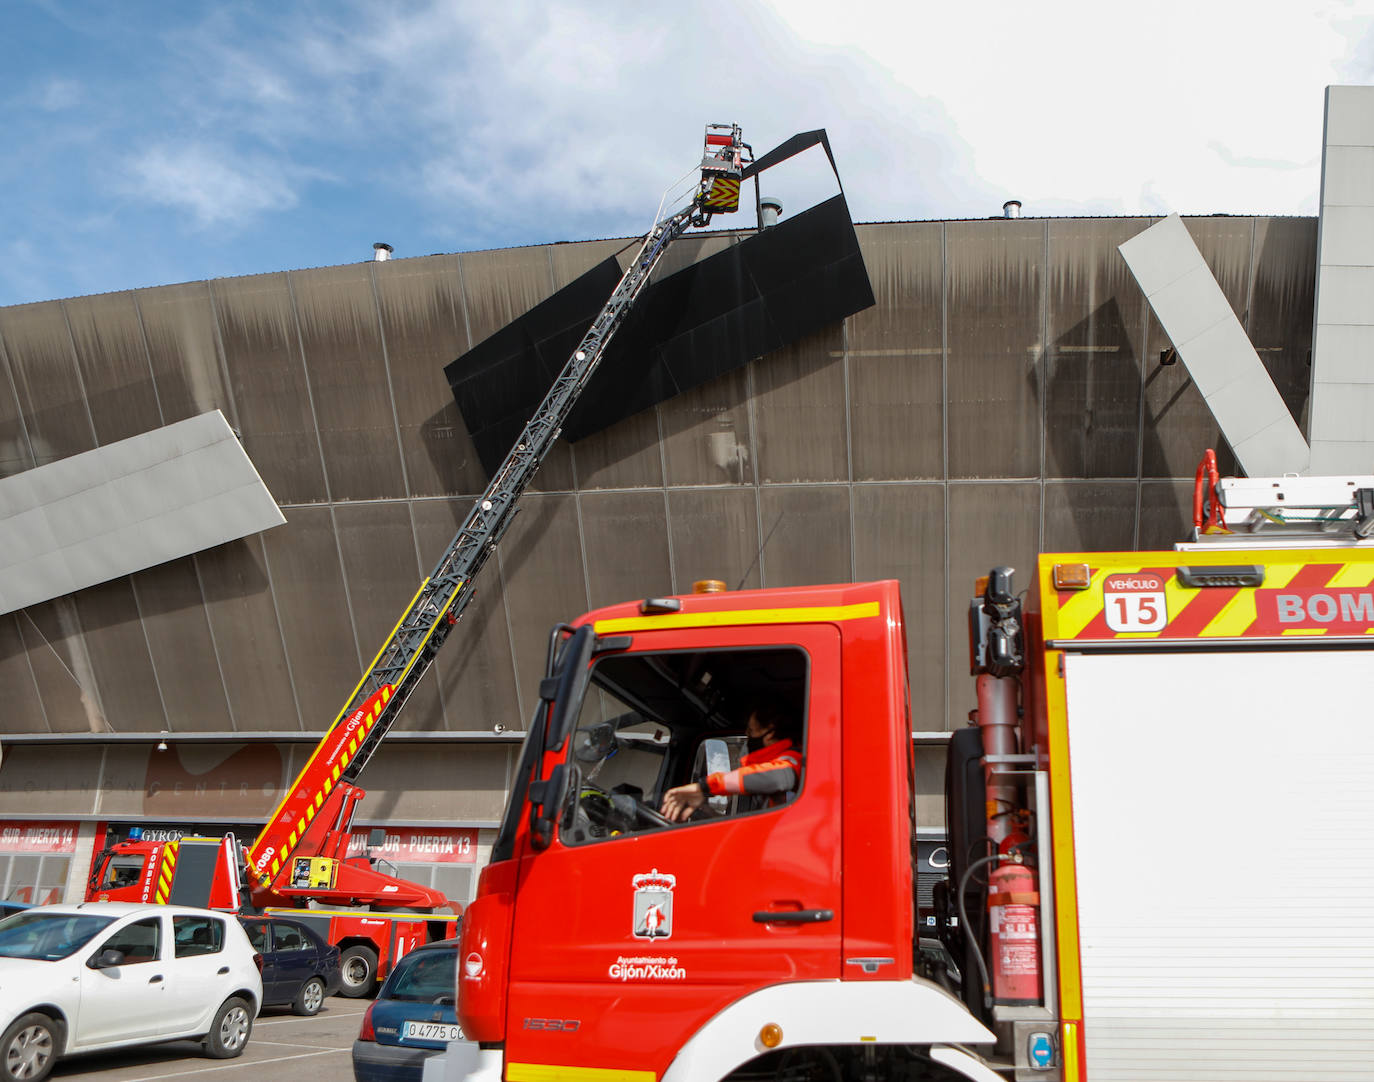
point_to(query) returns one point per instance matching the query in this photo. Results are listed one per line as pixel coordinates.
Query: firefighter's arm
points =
(764, 779)
(681, 801)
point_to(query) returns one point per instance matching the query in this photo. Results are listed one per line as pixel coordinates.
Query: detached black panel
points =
(757, 296)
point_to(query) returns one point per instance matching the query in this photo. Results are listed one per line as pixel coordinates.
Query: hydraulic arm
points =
(320, 802)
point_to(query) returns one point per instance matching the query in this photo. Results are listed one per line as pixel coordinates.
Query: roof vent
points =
(770, 207)
(381, 252)
(1011, 208)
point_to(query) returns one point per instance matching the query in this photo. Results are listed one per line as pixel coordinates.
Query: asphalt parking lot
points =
(283, 1048)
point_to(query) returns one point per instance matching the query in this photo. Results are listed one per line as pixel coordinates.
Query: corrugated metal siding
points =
(1221, 825)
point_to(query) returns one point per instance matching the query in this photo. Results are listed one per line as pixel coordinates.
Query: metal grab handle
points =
(793, 916)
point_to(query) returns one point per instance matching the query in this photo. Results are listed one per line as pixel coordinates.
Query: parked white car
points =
(100, 975)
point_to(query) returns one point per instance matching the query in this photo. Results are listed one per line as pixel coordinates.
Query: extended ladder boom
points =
(409, 650)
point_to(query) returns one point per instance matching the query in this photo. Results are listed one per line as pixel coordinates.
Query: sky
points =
(158, 142)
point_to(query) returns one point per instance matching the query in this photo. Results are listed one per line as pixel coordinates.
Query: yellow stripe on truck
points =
(819, 614)
(552, 1072)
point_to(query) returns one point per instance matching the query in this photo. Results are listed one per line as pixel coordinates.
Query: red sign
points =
(1343, 610)
(46, 837)
(419, 845)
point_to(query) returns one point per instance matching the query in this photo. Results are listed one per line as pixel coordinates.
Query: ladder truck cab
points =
(1111, 912)
(299, 863)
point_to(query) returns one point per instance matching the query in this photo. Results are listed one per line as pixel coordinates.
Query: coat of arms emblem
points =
(654, 905)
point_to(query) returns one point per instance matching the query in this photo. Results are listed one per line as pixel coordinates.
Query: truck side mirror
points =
(547, 798)
(717, 755)
(572, 678)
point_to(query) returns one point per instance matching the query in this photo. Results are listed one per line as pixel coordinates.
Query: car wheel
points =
(29, 1048)
(228, 1035)
(310, 998)
(358, 968)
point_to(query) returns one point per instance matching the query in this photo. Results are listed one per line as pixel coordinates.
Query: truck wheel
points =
(228, 1035)
(29, 1048)
(310, 998)
(358, 968)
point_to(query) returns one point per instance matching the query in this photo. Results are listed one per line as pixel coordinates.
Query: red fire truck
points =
(1157, 825)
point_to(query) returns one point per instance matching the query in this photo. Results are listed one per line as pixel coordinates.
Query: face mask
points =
(754, 743)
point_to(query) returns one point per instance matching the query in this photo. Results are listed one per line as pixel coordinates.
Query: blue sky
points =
(152, 143)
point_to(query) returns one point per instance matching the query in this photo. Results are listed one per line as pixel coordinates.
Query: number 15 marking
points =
(1136, 611)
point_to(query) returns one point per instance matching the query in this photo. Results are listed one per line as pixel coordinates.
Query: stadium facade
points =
(1009, 391)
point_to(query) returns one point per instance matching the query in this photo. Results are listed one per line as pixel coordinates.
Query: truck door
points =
(629, 934)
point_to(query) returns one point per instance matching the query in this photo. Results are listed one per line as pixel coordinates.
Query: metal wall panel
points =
(38, 346)
(707, 435)
(356, 418)
(182, 648)
(1166, 514)
(23, 711)
(1096, 330)
(545, 580)
(247, 631)
(714, 534)
(120, 660)
(308, 589)
(183, 349)
(61, 665)
(990, 525)
(34, 781)
(626, 538)
(409, 784)
(895, 352)
(275, 416)
(806, 530)
(381, 575)
(899, 533)
(475, 671)
(799, 410)
(996, 282)
(1095, 516)
(15, 454)
(626, 455)
(422, 323)
(115, 369)
(1178, 424)
(497, 287)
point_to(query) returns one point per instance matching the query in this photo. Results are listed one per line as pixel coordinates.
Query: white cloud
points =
(213, 185)
(56, 95)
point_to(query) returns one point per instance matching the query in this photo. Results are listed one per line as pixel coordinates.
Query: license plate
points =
(431, 1031)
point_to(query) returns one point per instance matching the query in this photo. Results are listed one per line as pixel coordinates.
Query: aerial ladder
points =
(301, 855)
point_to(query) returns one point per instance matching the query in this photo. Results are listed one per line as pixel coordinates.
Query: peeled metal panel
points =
(996, 366)
(626, 534)
(244, 621)
(1194, 969)
(126, 506)
(115, 370)
(714, 534)
(474, 671)
(1092, 516)
(799, 410)
(990, 525)
(422, 321)
(707, 434)
(899, 533)
(349, 388)
(895, 352)
(543, 569)
(1212, 344)
(23, 711)
(1093, 373)
(38, 346)
(262, 351)
(183, 350)
(806, 531)
(120, 661)
(382, 575)
(312, 610)
(182, 648)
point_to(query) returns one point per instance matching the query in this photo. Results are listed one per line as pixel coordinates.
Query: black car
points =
(298, 967)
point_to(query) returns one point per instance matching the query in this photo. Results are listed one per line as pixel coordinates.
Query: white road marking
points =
(231, 1066)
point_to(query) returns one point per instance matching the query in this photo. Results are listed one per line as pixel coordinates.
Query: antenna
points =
(759, 557)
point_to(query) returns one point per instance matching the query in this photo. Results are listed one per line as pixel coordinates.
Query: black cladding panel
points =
(777, 286)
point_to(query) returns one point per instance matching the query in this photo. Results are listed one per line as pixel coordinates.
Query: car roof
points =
(438, 944)
(124, 909)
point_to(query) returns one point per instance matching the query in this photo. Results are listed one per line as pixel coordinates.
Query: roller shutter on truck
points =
(1223, 844)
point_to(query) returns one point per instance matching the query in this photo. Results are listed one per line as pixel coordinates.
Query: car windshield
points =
(425, 977)
(48, 936)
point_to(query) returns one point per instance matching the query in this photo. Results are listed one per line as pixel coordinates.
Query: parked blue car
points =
(298, 967)
(412, 1018)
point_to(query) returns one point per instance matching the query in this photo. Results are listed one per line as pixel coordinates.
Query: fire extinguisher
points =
(1014, 935)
